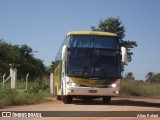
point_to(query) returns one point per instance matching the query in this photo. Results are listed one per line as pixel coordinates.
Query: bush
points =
(138, 88)
(36, 93)
(38, 86)
(19, 98)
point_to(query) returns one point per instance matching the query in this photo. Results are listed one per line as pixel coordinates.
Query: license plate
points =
(92, 91)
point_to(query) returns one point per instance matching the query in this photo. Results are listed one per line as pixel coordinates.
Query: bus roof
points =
(91, 33)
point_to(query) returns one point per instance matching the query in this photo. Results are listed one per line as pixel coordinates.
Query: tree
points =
(156, 78)
(152, 77)
(129, 76)
(50, 69)
(30, 64)
(111, 24)
(149, 77)
(114, 25)
(22, 58)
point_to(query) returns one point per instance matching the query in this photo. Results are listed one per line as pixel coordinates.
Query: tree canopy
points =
(151, 77)
(22, 58)
(114, 25)
(129, 76)
(111, 24)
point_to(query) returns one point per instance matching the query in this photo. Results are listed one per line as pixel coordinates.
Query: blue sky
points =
(43, 24)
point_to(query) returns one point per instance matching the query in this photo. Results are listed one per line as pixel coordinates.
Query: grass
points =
(139, 88)
(37, 93)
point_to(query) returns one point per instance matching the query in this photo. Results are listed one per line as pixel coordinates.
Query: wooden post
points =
(51, 83)
(27, 82)
(4, 79)
(13, 74)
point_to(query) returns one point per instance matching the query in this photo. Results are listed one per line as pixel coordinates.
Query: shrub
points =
(138, 88)
(37, 86)
(36, 94)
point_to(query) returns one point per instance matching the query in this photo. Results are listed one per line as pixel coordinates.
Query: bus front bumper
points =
(91, 91)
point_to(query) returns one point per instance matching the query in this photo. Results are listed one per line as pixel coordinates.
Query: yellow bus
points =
(88, 66)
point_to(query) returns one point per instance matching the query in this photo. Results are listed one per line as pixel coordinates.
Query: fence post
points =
(4, 78)
(13, 73)
(51, 83)
(27, 82)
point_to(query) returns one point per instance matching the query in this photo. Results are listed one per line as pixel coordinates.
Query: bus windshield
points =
(93, 41)
(93, 63)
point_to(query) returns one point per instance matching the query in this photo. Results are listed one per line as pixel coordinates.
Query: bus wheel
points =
(67, 99)
(58, 97)
(107, 99)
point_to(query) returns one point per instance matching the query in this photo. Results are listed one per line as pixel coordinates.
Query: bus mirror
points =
(124, 55)
(64, 50)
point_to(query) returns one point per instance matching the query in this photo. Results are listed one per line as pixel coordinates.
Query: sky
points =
(43, 25)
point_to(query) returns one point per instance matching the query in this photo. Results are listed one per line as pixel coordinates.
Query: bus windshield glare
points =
(94, 41)
(95, 62)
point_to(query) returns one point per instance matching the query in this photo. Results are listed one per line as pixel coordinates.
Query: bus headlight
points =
(71, 83)
(113, 85)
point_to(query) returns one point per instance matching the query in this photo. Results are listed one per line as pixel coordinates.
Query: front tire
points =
(67, 99)
(107, 99)
(58, 97)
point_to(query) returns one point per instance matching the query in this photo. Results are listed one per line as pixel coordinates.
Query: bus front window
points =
(93, 63)
(107, 63)
(81, 62)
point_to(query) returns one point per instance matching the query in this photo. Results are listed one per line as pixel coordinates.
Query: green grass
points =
(37, 93)
(138, 88)
(12, 97)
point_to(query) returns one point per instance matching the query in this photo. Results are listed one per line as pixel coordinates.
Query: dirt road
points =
(117, 104)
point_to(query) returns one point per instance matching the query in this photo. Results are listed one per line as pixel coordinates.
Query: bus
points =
(88, 66)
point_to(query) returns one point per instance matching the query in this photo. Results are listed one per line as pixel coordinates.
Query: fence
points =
(13, 78)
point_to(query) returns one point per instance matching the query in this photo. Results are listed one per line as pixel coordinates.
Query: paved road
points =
(117, 104)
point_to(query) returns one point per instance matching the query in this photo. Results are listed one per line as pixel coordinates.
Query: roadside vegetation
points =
(36, 93)
(22, 57)
(149, 88)
(139, 88)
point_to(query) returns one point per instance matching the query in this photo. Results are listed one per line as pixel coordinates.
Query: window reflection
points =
(88, 41)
